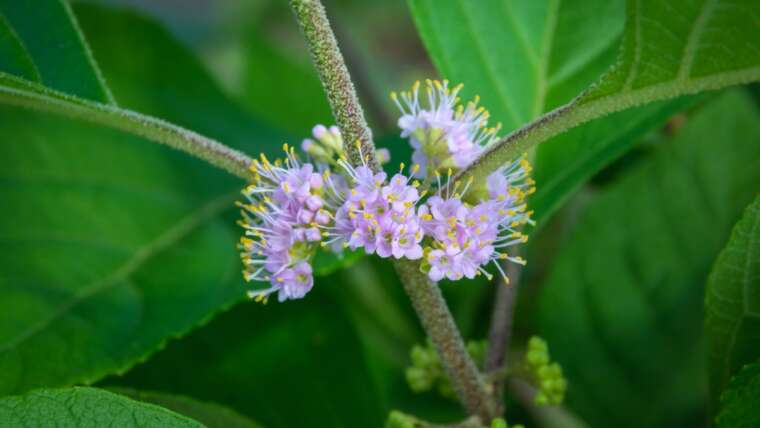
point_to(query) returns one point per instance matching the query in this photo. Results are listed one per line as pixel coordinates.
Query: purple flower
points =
(443, 265)
(287, 205)
(400, 194)
(378, 216)
(294, 282)
(442, 132)
(465, 238)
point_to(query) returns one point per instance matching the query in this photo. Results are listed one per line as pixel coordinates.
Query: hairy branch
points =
(425, 296)
(157, 130)
(336, 80)
(501, 326)
(439, 325)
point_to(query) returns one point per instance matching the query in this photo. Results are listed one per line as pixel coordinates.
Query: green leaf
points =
(487, 44)
(522, 58)
(525, 58)
(108, 248)
(47, 47)
(167, 81)
(621, 308)
(741, 401)
(327, 262)
(280, 90)
(17, 91)
(210, 414)
(110, 244)
(13, 56)
(565, 162)
(85, 408)
(298, 364)
(732, 305)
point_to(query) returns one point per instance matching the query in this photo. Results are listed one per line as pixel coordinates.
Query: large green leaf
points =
(280, 90)
(85, 408)
(525, 58)
(14, 58)
(291, 365)
(741, 401)
(167, 81)
(522, 58)
(111, 244)
(733, 302)
(669, 49)
(621, 308)
(41, 41)
(210, 414)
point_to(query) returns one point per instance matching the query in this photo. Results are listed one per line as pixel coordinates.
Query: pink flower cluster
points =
(465, 237)
(443, 133)
(294, 209)
(379, 215)
(286, 209)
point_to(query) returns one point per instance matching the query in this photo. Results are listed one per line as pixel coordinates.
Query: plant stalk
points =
(336, 81)
(151, 128)
(439, 325)
(500, 330)
(425, 295)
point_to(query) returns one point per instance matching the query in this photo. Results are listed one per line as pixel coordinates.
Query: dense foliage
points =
(121, 296)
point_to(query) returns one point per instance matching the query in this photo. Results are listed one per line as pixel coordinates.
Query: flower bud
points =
(397, 419)
(499, 423)
(419, 379)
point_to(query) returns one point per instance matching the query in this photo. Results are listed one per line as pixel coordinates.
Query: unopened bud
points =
(499, 423)
(397, 419)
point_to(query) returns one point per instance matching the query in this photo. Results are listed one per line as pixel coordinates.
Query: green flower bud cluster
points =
(398, 419)
(502, 423)
(327, 146)
(426, 372)
(548, 375)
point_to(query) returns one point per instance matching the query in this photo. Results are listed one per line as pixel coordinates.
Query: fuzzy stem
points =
(336, 81)
(436, 319)
(500, 331)
(425, 296)
(151, 128)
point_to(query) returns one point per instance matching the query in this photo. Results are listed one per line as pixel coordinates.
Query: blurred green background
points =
(617, 267)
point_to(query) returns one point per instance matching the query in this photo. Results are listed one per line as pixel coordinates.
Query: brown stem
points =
(336, 81)
(425, 296)
(501, 325)
(439, 325)
(361, 77)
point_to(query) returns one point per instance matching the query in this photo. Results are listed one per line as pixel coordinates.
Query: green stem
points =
(584, 109)
(439, 325)
(425, 296)
(43, 99)
(336, 81)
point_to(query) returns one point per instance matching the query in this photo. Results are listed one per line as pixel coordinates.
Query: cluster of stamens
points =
(294, 209)
(443, 132)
